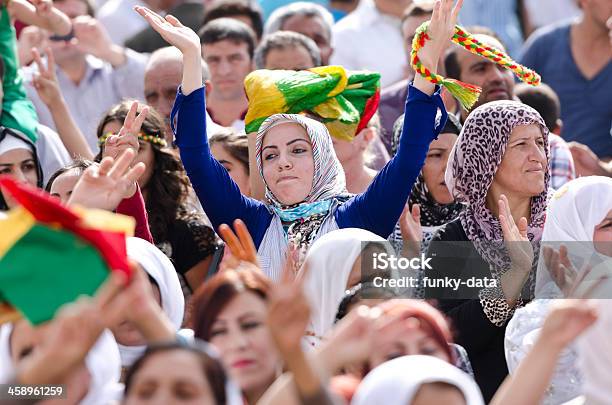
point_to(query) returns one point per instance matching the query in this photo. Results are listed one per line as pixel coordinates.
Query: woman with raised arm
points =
(305, 183)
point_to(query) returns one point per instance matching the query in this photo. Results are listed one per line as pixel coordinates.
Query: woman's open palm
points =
(171, 30)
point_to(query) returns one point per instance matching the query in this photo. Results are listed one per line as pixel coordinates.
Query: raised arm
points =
(379, 207)
(219, 195)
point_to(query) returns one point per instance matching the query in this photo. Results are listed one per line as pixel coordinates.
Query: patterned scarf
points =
(302, 221)
(472, 165)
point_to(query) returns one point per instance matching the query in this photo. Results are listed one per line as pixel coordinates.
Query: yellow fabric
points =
(19, 221)
(106, 221)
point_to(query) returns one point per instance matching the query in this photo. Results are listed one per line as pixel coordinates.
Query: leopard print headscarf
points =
(472, 165)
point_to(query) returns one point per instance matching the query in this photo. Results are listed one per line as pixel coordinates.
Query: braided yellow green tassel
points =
(467, 94)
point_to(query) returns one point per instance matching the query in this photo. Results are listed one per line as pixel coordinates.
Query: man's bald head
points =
(163, 76)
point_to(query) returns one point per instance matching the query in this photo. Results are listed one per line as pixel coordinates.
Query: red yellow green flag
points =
(344, 101)
(51, 254)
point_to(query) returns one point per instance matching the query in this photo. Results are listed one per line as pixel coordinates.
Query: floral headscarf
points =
(303, 220)
(472, 165)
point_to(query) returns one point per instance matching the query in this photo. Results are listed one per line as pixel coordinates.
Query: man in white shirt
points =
(93, 73)
(370, 39)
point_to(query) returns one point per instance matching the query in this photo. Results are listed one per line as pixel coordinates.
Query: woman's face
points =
(602, 236)
(241, 336)
(20, 164)
(145, 154)
(288, 165)
(126, 333)
(523, 167)
(435, 167)
(169, 377)
(63, 184)
(418, 341)
(235, 168)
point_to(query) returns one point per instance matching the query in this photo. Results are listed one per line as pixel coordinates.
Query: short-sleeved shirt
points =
(586, 105)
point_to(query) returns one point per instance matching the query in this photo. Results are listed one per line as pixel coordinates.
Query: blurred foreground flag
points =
(51, 254)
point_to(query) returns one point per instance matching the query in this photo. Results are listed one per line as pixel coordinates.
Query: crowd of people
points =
(271, 153)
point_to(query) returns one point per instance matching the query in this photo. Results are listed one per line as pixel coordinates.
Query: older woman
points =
(304, 180)
(499, 167)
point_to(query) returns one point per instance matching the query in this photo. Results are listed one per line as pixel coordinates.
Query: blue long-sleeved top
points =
(376, 210)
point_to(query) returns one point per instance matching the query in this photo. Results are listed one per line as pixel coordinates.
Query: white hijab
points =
(330, 260)
(102, 362)
(595, 352)
(397, 381)
(572, 215)
(160, 268)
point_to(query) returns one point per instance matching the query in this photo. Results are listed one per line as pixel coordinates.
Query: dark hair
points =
(169, 185)
(229, 29)
(543, 99)
(235, 8)
(78, 163)
(214, 295)
(211, 367)
(365, 290)
(283, 40)
(451, 63)
(418, 10)
(234, 142)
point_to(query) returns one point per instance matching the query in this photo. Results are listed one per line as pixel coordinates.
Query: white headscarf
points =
(572, 215)
(330, 260)
(396, 382)
(104, 365)
(10, 143)
(595, 352)
(102, 362)
(160, 268)
(7, 369)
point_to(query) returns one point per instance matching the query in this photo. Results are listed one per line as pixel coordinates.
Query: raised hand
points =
(72, 333)
(91, 37)
(566, 321)
(515, 238)
(172, 31)
(441, 29)
(240, 244)
(350, 340)
(104, 186)
(45, 81)
(288, 311)
(30, 37)
(141, 308)
(412, 233)
(560, 268)
(127, 138)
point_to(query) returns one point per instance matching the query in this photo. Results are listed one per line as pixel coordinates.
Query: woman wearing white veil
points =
(574, 217)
